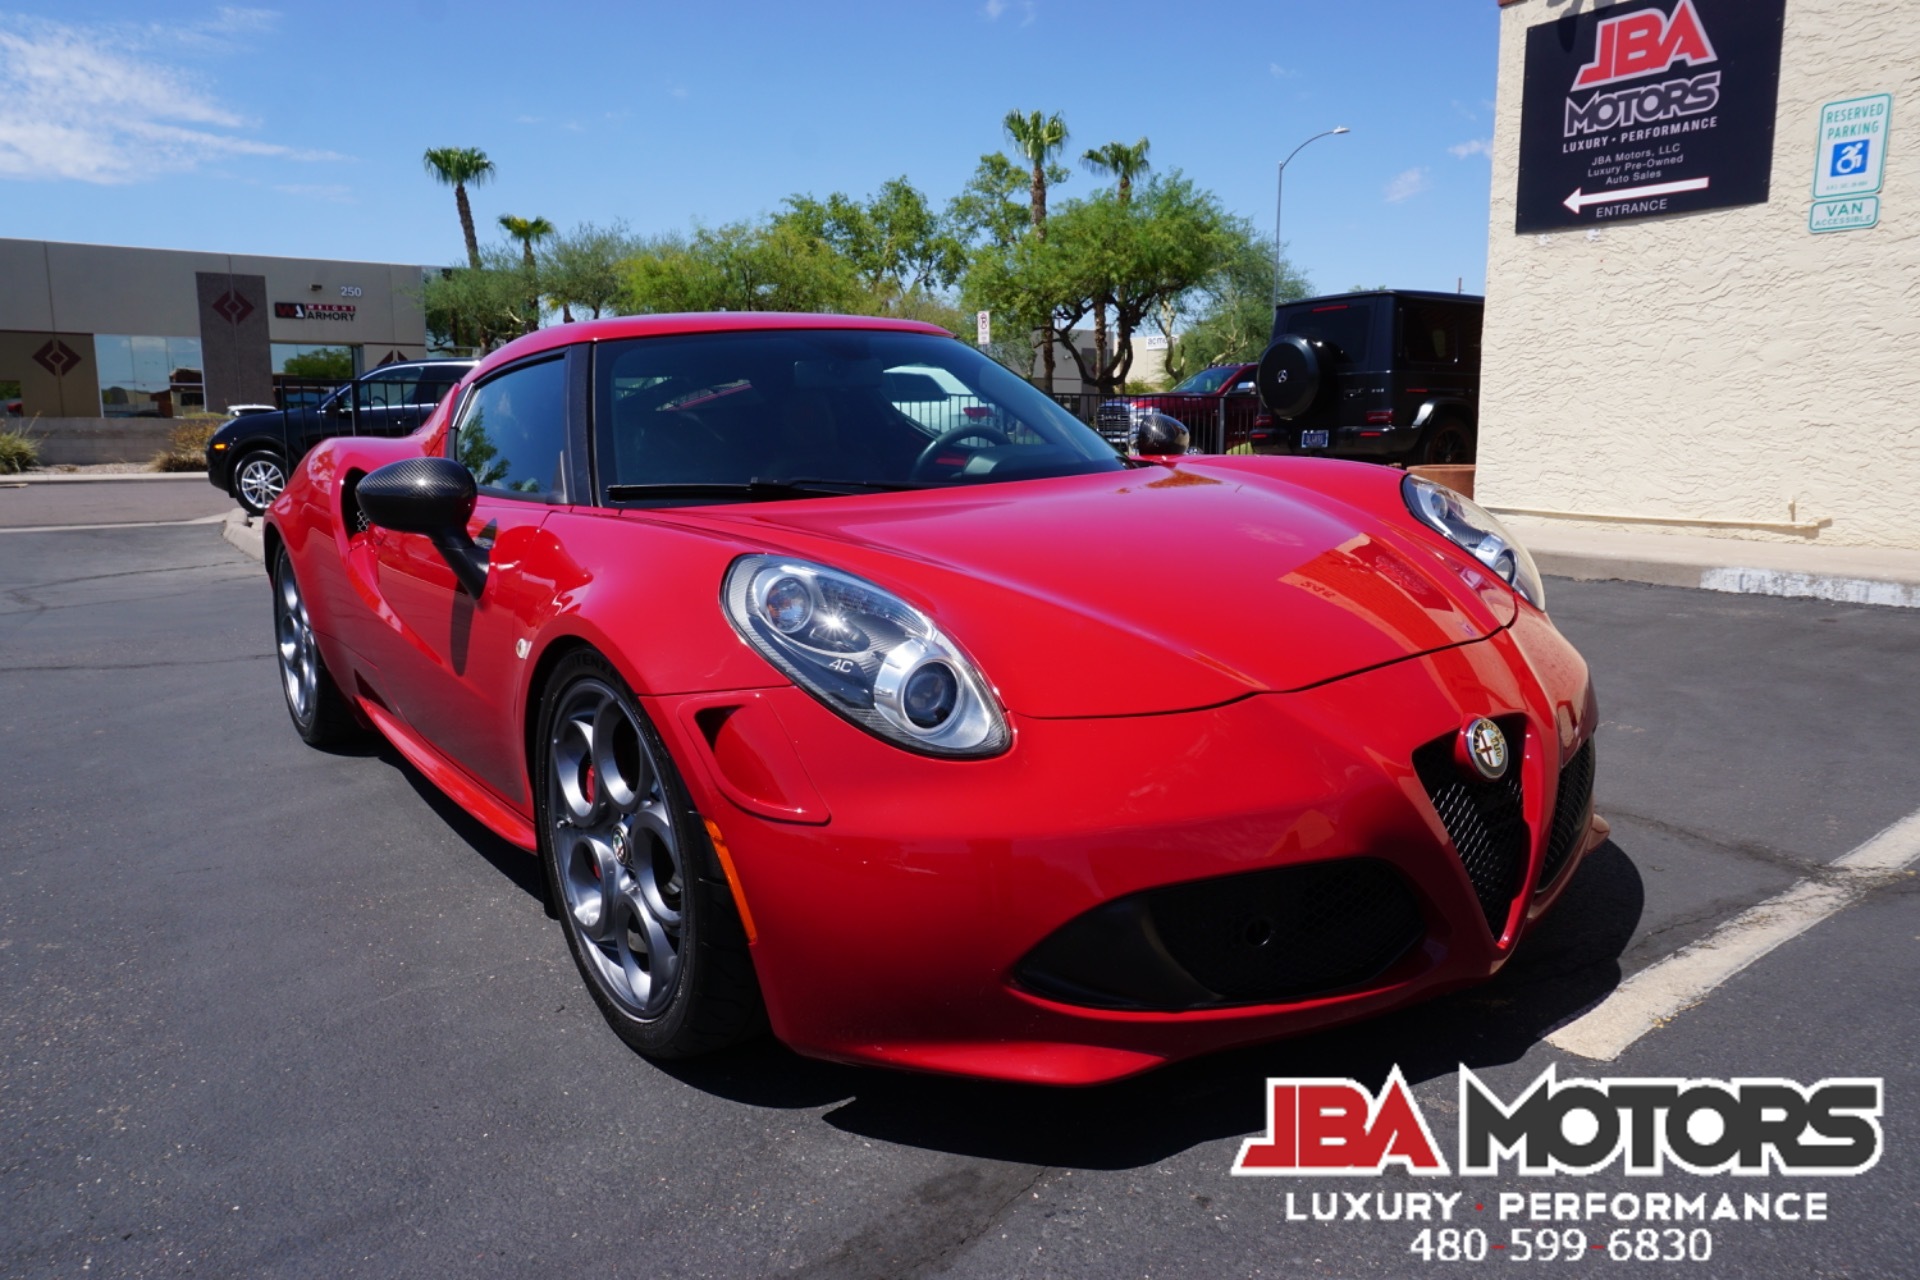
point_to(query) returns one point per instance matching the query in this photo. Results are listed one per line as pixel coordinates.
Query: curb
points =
(244, 532)
(1731, 579)
(108, 478)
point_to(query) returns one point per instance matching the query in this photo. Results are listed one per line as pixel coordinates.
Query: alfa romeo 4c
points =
(846, 685)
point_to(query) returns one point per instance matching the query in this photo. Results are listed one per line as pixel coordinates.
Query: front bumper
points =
(894, 898)
(220, 468)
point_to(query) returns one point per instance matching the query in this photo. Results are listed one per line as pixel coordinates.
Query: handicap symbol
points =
(1850, 158)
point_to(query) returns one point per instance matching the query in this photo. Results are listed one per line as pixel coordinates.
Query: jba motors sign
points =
(1755, 1127)
(1645, 109)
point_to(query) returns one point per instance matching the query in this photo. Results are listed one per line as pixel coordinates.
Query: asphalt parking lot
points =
(272, 1012)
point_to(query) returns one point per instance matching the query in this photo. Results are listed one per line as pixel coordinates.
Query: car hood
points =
(1150, 590)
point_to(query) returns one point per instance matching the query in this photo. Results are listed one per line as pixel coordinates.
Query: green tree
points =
(988, 211)
(1038, 139)
(1229, 318)
(1124, 163)
(479, 308)
(526, 231)
(456, 167)
(742, 267)
(1154, 250)
(894, 241)
(582, 267)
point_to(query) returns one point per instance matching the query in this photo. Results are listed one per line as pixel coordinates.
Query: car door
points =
(452, 666)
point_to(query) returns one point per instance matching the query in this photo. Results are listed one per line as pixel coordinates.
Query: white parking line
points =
(129, 524)
(1662, 990)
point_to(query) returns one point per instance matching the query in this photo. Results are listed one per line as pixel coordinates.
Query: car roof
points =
(695, 322)
(1425, 295)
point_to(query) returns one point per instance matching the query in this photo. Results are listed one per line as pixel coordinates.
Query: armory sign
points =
(1639, 110)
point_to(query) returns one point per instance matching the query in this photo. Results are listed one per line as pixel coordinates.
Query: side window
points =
(436, 381)
(1470, 324)
(1427, 335)
(387, 388)
(512, 432)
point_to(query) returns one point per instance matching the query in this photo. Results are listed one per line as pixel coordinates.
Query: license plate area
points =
(1313, 439)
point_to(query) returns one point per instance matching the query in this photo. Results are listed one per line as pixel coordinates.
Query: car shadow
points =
(511, 861)
(1569, 963)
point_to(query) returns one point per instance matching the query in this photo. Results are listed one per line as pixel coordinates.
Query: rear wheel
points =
(1448, 443)
(258, 479)
(647, 913)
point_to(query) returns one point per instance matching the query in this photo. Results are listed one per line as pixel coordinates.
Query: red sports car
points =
(977, 750)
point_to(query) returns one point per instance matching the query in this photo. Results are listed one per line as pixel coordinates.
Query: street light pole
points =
(1279, 190)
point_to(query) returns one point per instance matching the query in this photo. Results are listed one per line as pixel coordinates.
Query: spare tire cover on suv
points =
(1289, 376)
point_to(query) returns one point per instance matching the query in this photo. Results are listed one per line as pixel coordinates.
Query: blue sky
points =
(298, 130)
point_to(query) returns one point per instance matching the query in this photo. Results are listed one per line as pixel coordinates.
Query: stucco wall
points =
(1722, 365)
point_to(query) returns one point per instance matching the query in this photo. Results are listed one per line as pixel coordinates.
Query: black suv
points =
(1391, 375)
(251, 456)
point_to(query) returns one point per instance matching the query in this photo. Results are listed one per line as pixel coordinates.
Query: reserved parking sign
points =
(1852, 152)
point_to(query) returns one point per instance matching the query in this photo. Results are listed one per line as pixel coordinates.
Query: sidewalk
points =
(1845, 575)
(100, 477)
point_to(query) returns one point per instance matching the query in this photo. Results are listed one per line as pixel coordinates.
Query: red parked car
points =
(977, 750)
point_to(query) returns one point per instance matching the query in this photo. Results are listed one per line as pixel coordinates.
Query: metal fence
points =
(1217, 424)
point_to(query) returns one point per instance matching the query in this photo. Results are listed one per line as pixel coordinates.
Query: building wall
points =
(1726, 365)
(73, 292)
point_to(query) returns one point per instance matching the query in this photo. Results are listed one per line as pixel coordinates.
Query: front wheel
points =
(258, 479)
(647, 913)
(321, 713)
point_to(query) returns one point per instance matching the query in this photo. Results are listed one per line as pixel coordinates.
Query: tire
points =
(259, 476)
(321, 714)
(1289, 376)
(1449, 442)
(665, 958)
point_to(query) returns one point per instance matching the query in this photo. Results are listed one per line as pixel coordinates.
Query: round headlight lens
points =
(1471, 527)
(930, 695)
(789, 605)
(866, 654)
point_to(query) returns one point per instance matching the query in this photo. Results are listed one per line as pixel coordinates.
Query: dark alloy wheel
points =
(1448, 443)
(258, 478)
(646, 910)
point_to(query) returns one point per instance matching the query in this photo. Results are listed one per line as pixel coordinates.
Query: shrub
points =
(187, 446)
(17, 452)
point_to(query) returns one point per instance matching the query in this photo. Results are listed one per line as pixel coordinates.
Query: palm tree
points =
(526, 231)
(1038, 138)
(456, 167)
(1125, 163)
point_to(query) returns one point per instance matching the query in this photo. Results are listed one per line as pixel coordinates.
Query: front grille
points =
(1569, 812)
(1114, 422)
(1290, 932)
(1259, 937)
(1484, 819)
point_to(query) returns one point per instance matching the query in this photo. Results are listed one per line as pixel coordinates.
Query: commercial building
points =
(1703, 276)
(92, 336)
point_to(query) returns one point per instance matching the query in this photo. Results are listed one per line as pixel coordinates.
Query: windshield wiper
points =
(796, 487)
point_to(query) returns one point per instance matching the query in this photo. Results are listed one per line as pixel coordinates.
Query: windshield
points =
(1207, 381)
(861, 409)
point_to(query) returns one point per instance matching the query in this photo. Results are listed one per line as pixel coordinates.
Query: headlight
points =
(866, 654)
(1466, 523)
